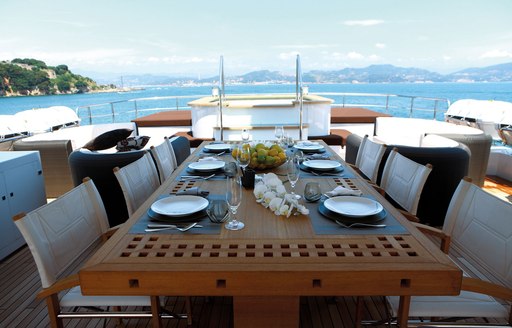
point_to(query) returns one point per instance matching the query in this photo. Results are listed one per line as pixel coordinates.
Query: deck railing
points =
(393, 104)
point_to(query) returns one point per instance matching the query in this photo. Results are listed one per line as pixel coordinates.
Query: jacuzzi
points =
(259, 114)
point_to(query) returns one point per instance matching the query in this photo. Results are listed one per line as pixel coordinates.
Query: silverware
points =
(359, 224)
(193, 177)
(156, 226)
(324, 174)
(222, 153)
(188, 227)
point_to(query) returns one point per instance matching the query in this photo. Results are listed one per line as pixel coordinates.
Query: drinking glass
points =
(233, 199)
(245, 135)
(293, 172)
(279, 132)
(243, 156)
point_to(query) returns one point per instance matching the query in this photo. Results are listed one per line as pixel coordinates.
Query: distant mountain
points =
(370, 74)
(495, 73)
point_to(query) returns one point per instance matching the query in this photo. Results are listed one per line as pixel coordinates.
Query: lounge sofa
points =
(411, 132)
(450, 161)
(55, 148)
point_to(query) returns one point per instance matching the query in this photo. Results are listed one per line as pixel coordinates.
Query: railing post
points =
(113, 113)
(221, 95)
(387, 103)
(90, 114)
(177, 103)
(435, 109)
(136, 108)
(412, 106)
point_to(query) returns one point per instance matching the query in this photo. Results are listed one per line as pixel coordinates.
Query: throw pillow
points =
(132, 143)
(108, 139)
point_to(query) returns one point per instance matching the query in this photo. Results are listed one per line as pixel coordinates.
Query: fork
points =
(324, 174)
(359, 224)
(193, 177)
(156, 226)
(188, 227)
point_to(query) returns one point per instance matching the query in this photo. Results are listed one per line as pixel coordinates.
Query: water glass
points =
(243, 156)
(279, 132)
(312, 192)
(233, 199)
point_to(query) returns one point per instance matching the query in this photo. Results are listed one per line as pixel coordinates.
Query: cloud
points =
(304, 46)
(288, 55)
(380, 45)
(354, 55)
(497, 54)
(366, 22)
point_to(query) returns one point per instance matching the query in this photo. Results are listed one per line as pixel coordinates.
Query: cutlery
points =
(322, 174)
(359, 224)
(156, 226)
(192, 177)
(188, 227)
(220, 154)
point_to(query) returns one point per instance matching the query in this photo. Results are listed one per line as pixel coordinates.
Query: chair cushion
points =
(75, 298)
(108, 139)
(467, 304)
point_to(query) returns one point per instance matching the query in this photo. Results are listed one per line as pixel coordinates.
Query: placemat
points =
(219, 174)
(209, 228)
(325, 226)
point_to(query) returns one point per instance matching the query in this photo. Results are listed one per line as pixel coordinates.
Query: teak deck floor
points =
(19, 284)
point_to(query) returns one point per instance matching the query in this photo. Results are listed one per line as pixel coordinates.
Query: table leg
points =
(403, 311)
(255, 311)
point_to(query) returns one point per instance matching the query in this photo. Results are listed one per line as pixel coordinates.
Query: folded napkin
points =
(307, 143)
(342, 191)
(317, 156)
(193, 191)
(208, 158)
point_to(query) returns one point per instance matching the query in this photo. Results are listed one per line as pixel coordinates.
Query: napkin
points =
(342, 191)
(194, 191)
(307, 143)
(317, 156)
(208, 158)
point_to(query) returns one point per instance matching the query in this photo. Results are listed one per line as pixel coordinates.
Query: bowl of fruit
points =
(264, 156)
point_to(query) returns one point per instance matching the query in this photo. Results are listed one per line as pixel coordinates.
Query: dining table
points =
(274, 260)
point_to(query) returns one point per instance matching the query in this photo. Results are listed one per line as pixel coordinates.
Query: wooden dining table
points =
(274, 260)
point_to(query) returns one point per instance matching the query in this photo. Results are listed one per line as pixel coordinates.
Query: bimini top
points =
(481, 110)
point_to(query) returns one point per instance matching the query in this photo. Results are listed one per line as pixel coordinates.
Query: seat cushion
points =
(75, 298)
(108, 139)
(467, 304)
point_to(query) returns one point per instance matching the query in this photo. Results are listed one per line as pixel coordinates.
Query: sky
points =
(187, 38)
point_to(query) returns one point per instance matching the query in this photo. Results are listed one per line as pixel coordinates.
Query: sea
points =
(116, 100)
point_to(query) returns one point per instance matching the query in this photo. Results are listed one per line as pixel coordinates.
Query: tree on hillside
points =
(30, 61)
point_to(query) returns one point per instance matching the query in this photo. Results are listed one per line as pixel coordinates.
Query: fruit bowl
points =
(263, 156)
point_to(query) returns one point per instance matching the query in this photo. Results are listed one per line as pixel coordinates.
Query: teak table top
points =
(272, 256)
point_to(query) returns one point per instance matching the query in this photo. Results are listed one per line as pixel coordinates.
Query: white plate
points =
(321, 164)
(218, 147)
(308, 146)
(353, 206)
(179, 205)
(206, 166)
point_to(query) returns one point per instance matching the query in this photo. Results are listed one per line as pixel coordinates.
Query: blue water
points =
(450, 91)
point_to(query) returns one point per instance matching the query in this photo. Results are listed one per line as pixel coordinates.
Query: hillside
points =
(370, 74)
(21, 77)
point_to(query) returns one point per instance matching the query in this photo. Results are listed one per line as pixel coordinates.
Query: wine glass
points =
(279, 132)
(243, 156)
(233, 199)
(293, 173)
(245, 135)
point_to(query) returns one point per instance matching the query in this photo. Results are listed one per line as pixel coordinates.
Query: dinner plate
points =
(321, 164)
(348, 219)
(305, 168)
(353, 206)
(217, 147)
(206, 166)
(309, 146)
(179, 205)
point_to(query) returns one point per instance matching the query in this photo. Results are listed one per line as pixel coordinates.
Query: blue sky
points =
(168, 37)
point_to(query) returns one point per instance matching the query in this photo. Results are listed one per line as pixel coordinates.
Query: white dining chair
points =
(403, 181)
(165, 159)
(369, 157)
(138, 180)
(58, 234)
(477, 235)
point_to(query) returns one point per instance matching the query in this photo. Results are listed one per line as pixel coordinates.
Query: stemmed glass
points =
(243, 156)
(279, 133)
(293, 172)
(233, 199)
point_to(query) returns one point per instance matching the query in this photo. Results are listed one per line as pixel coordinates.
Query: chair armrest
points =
(428, 230)
(487, 288)
(409, 216)
(60, 285)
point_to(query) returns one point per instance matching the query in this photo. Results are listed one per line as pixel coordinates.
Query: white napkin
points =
(307, 143)
(342, 191)
(208, 158)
